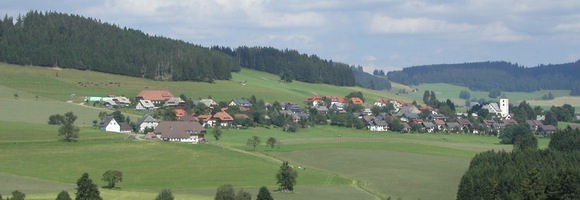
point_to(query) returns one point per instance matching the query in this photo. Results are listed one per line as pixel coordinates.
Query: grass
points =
(445, 91)
(44, 83)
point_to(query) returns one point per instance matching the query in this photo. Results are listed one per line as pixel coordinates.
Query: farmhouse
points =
(145, 105)
(155, 96)
(180, 131)
(146, 122)
(109, 124)
(175, 102)
(223, 118)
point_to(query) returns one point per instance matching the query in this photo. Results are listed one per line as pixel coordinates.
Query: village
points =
(193, 116)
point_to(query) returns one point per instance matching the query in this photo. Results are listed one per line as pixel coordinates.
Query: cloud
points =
(498, 32)
(388, 25)
(570, 27)
(370, 58)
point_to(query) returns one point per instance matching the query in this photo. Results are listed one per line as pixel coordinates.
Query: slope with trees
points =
(495, 76)
(72, 41)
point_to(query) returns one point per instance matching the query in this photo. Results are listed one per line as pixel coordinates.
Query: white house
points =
(109, 124)
(145, 105)
(147, 122)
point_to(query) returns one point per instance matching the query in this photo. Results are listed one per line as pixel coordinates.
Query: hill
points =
(502, 76)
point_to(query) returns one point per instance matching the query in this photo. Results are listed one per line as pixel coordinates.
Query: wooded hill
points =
(71, 41)
(502, 76)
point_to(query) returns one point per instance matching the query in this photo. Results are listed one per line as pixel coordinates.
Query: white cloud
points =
(370, 58)
(500, 33)
(570, 27)
(386, 24)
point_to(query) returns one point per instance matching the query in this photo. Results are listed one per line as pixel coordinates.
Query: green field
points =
(445, 91)
(357, 165)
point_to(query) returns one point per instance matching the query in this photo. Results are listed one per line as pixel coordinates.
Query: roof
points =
(179, 129)
(356, 100)
(174, 101)
(204, 117)
(223, 116)
(322, 108)
(147, 103)
(548, 128)
(106, 121)
(453, 125)
(241, 116)
(574, 126)
(125, 126)
(439, 122)
(146, 118)
(534, 123)
(428, 125)
(242, 102)
(180, 112)
(208, 102)
(312, 99)
(463, 122)
(155, 95)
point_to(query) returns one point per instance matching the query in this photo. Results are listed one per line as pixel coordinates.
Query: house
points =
(116, 101)
(439, 124)
(223, 119)
(174, 102)
(452, 126)
(312, 99)
(205, 120)
(241, 116)
(155, 96)
(322, 109)
(429, 127)
(125, 127)
(408, 109)
(436, 117)
(109, 124)
(295, 108)
(145, 105)
(151, 136)
(406, 127)
(573, 126)
(489, 123)
(367, 110)
(378, 125)
(534, 124)
(406, 117)
(382, 102)
(464, 123)
(240, 103)
(209, 102)
(337, 106)
(180, 113)
(146, 122)
(180, 131)
(357, 101)
(547, 129)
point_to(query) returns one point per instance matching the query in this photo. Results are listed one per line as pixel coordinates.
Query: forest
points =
(301, 67)
(52, 39)
(70, 41)
(527, 172)
(502, 76)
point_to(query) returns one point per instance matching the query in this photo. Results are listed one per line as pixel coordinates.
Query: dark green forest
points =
(301, 67)
(502, 76)
(527, 172)
(70, 41)
(54, 39)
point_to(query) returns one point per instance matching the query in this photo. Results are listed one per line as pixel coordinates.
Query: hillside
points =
(502, 76)
(69, 84)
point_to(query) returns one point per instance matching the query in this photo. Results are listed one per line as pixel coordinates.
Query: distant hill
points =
(502, 76)
(370, 81)
(54, 39)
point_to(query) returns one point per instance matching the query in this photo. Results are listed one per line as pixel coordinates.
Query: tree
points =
(520, 136)
(567, 140)
(63, 195)
(286, 177)
(112, 177)
(217, 133)
(426, 97)
(55, 119)
(253, 141)
(464, 95)
(565, 186)
(494, 93)
(551, 118)
(17, 195)
(264, 194)
(86, 189)
(271, 142)
(533, 185)
(165, 194)
(225, 192)
(243, 195)
(67, 129)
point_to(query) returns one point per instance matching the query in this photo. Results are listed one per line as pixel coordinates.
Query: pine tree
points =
(264, 194)
(86, 189)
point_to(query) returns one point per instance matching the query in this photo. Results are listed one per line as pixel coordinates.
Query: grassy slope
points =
(447, 91)
(44, 83)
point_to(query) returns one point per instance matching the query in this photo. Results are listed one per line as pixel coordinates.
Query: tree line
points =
(500, 76)
(526, 172)
(292, 64)
(71, 41)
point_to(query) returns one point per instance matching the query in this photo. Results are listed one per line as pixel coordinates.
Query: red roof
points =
(439, 122)
(204, 117)
(180, 113)
(384, 101)
(155, 95)
(312, 99)
(356, 100)
(223, 116)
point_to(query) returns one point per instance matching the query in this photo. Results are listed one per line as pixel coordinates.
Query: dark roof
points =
(463, 122)
(179, 129)
(453, 125)
(125, 126)
(146, 118)
(105, 121)
(242, 102)
(548, 128)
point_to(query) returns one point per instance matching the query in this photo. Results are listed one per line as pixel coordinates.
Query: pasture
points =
(75, 84)
(445, 91)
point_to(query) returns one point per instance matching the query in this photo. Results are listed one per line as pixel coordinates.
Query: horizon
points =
(383, 35)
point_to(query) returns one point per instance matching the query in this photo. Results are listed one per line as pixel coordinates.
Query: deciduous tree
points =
(217, 133)
(271, 142)
(63, 195)
(253, 141)
(243, 195)
(17, 195)
(165, 194)
(67, 128)
(112, 177)
(225, 192)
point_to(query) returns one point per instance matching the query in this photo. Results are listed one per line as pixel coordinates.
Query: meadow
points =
(334, 162)
(445, 91)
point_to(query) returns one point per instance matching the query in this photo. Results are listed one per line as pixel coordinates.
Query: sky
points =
(375, 34)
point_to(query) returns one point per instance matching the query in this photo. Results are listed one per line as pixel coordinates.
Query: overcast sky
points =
(377, 34)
